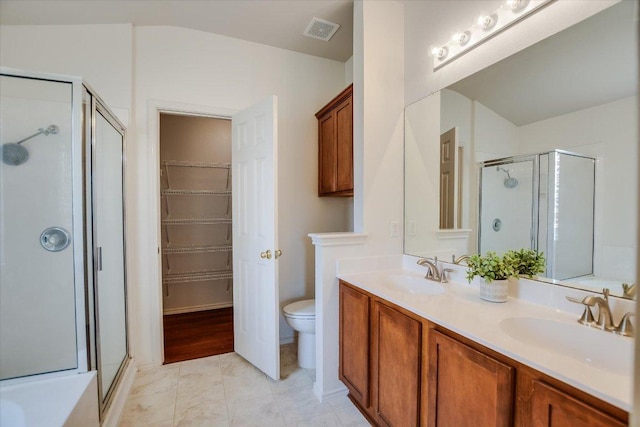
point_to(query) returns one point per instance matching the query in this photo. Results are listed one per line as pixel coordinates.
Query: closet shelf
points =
(169, 192)
(197, 277)
(188, 221)
(196, 164)
(196, 249)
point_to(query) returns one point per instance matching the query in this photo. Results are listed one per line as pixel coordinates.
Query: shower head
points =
(14, 154)
(509, 182)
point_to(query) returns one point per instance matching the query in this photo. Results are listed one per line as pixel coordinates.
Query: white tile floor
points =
(226, 390)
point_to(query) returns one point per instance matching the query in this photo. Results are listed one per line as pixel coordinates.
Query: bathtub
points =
(69, 401)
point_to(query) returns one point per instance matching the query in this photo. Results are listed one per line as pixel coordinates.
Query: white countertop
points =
(461, 310)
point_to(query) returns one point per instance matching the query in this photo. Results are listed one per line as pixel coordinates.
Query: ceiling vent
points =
(321, 29)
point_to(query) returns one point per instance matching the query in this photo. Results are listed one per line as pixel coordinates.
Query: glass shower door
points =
(109, 266)
(37, 279)
(507, 207)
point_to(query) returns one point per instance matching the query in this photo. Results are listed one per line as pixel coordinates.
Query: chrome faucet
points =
(629, 291)
(605, 318)
(433, 273)
(432, 268)
(461, 258)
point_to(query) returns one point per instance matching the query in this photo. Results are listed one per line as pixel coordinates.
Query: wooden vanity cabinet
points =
(355, 343)
(382, 359)
(335, 146)
(397, 348)
(466, 384)
(402, 370)
(551, 407)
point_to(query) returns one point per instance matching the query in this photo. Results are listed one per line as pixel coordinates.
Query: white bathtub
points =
(69, 401)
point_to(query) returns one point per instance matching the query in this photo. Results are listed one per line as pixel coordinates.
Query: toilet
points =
(301, 316)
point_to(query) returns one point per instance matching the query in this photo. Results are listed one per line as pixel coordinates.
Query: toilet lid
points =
(305, 307)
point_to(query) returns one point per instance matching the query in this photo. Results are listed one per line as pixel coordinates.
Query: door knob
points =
(278, 253)
(266, 254)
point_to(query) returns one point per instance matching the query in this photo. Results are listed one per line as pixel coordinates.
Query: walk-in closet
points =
(197, 262)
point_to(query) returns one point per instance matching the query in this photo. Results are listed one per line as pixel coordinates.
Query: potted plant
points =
(495, 272)
(527, 262)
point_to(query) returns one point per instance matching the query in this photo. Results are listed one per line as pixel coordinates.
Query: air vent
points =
(321, 29)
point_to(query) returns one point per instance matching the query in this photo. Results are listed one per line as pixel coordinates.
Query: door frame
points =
(154, 109)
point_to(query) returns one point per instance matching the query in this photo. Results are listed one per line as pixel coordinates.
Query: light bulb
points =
(440, 52)
(487, 22)
(462, 38)
(517, 5)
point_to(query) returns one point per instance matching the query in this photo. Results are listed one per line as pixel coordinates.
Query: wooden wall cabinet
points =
(335, 146)
(402, 370)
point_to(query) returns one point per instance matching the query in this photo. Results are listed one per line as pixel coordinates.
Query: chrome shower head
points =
(15, 154)
(509, 182)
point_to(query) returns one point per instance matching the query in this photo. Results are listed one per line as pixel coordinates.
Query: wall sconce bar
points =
(485, 27)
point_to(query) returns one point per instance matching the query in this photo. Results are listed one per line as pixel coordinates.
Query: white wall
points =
(379, 123)
(180, 66)
(101, 54)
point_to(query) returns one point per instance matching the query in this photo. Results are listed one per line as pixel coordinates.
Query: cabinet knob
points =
(266, 254)
(278, 253)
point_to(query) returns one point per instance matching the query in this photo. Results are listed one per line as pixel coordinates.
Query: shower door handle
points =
(99, 258)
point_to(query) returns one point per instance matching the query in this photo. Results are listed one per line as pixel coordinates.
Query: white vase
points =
(495, 291)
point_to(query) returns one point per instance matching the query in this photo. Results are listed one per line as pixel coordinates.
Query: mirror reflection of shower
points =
(509, 181)
(15, 154)
(551, 189)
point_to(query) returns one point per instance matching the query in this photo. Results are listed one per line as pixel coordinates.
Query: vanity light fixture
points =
(486, 26)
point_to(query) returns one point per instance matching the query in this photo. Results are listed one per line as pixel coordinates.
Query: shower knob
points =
(55, 239)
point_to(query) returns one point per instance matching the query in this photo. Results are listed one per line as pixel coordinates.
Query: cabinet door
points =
(467, 387)
(397, 360)
(354, 343)
(327, 153)
(344, 145)
(554, 408)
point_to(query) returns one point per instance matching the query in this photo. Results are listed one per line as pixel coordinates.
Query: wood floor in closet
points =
(200, 334)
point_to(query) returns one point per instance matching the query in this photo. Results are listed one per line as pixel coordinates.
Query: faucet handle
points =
(625, 328)
(443, 275)
(587, 315)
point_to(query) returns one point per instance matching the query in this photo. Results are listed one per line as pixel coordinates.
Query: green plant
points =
(490, 267)
(527, 262)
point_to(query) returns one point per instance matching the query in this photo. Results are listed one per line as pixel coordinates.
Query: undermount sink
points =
(602, 350)
(412, 284)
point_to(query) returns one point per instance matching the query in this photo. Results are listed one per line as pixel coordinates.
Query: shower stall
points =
(62, 252)
(544, 202)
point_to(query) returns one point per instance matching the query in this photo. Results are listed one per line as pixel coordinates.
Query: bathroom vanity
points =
(442, 357)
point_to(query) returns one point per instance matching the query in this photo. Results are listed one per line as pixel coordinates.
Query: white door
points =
(255, 231)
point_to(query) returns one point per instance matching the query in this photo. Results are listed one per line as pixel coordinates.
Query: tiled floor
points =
(226, 390)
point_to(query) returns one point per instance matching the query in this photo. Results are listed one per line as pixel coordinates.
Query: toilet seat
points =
(301, 309)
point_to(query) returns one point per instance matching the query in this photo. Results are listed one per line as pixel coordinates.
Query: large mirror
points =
(545, 148)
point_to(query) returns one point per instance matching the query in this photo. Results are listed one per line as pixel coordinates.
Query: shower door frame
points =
(78, 220)
(99, 107)
(535, 189)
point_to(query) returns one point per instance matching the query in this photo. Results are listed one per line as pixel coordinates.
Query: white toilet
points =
(301, 316)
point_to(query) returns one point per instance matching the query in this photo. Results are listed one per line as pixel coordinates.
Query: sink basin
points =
(602, 350)
(412, 284)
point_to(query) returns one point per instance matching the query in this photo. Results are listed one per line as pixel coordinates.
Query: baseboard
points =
(195, 308)
(112, 417)
(287, 340)
(343, 391)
